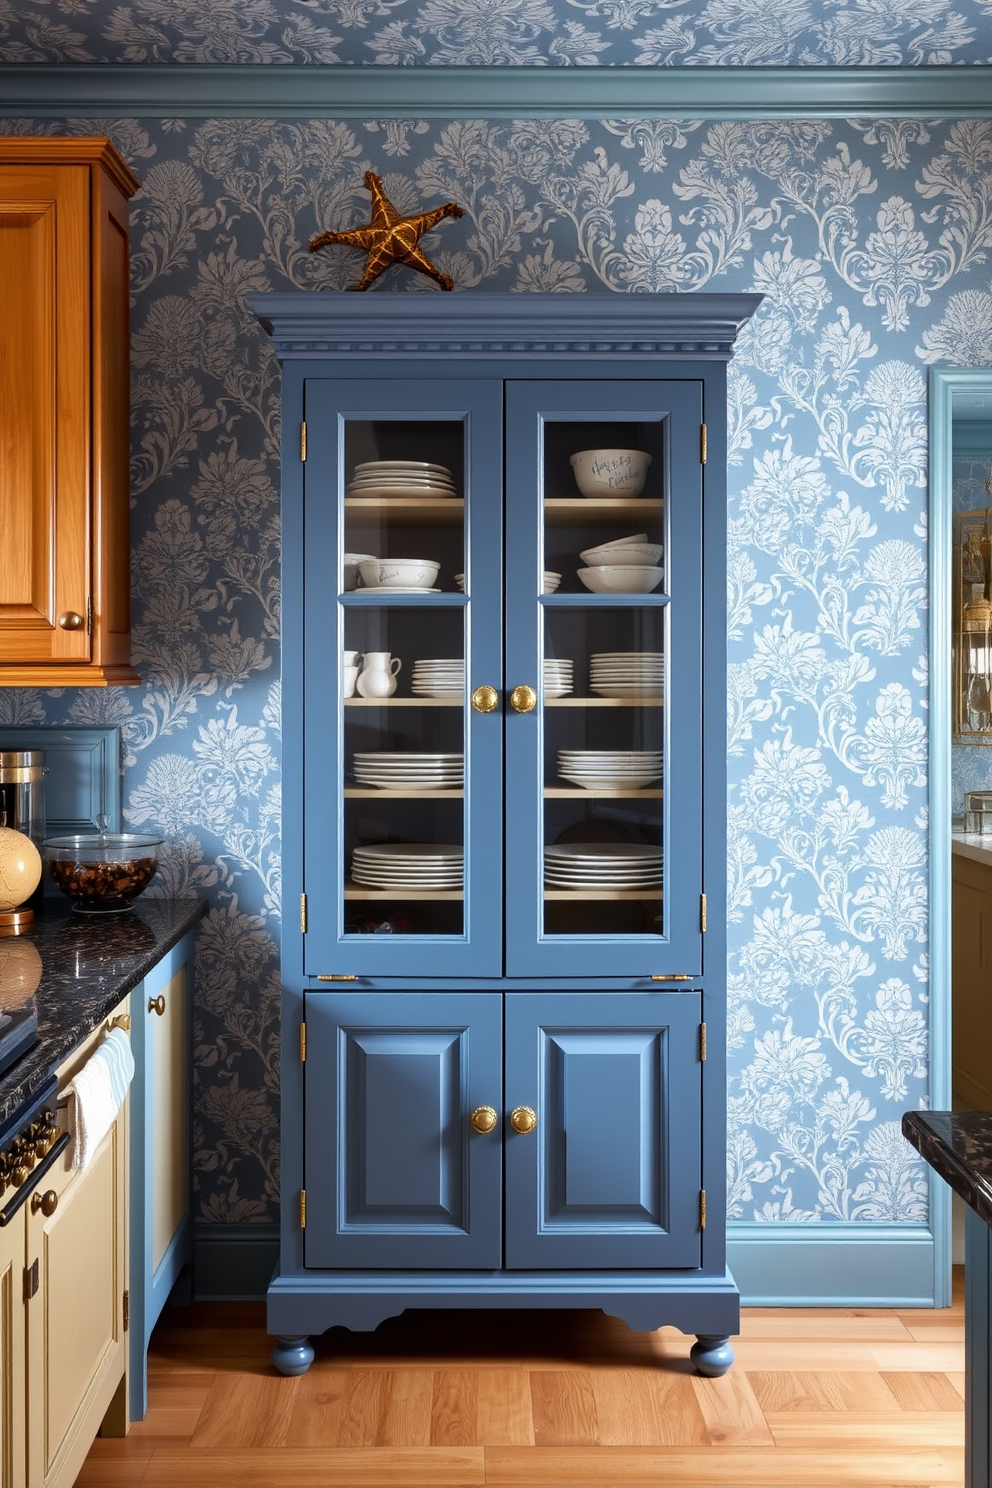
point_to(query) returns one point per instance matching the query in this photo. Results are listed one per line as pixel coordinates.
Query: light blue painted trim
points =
(832, 1265)
(945, 383)
(354, 92)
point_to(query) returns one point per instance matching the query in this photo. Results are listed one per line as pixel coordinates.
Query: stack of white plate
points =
(602, 865)
(610, 769)
(408, 865)
(438, 677)
(397, 771)
(558, 679)
(620, 674)
(401, 478)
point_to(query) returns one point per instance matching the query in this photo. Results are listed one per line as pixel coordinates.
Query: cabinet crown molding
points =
(474, 327)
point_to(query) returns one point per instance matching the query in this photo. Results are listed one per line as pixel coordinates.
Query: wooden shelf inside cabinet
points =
(373, 793)
(633, 896)
(356, 891)
(598, 702)
(429, 511)
(395, 702)
(584, 511)
(579, 793)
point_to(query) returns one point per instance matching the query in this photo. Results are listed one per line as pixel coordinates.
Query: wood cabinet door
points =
(610, 1175)
(971, 1013)
(395, 1175)
(45, 398)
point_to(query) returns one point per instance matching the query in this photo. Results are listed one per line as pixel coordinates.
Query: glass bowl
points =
(102, 873)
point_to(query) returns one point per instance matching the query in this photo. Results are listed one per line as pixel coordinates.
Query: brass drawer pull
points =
(483, 1119)
(484, 699)
(523, 699)
(523, 1119)
(71, 620)
(157, 1004)
(47, 1202)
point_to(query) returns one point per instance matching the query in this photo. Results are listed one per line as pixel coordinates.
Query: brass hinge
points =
(303, 1043)
(89, 615)
(303, 914)
(30, 1280)
(303, 1208)
(702, 1208)
(702, 1043)
(702, 914)
(127, 1309)
(340, 976)
(303, 443)
(702, 444)
(676, 976)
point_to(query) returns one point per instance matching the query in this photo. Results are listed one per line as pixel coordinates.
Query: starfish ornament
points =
(390, 238)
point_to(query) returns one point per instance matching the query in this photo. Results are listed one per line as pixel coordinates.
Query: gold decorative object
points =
(523, 699)
(484, 699)
(523, 1119)
(483, 1119)
(390, 238)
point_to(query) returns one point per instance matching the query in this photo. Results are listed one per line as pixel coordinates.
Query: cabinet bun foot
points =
(711, 1356)
(292, 1355)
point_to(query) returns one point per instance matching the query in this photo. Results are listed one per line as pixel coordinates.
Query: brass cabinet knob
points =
(523, 699)
(523, 1119)
(483, 1119)
(484, 699)
(47, 1202)
(157, 1005)
(71, 620)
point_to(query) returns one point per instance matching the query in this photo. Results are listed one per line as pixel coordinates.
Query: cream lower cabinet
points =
(63, 1280)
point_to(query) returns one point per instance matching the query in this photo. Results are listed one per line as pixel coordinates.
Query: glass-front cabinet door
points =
(403, 603)
(604, 653)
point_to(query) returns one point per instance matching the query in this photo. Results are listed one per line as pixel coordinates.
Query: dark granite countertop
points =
(958, 1146)
(81, 965)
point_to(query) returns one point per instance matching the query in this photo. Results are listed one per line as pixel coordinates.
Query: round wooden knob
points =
(483, 1119)
(71, 620)
(523, 699)
(523, 1119)
(484, 699)
(157, 1005)
(47, 1202)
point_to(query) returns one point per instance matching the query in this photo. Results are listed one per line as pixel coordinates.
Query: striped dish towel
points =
(97, 1093)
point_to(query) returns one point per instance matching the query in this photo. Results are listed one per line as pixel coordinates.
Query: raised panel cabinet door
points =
(396, 1175)
(12, 1345)
(609, 1176)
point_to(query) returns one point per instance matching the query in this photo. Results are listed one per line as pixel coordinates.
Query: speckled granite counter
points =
(84, 965)
(958, 1146)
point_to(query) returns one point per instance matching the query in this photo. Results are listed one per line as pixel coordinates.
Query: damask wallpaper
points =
(870, 242)
(541, 33)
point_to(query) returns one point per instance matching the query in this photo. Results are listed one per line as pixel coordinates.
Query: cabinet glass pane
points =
(604, 678)
(403, 678)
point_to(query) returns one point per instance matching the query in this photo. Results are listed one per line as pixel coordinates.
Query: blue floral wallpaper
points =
(870, 241)
(539, 33)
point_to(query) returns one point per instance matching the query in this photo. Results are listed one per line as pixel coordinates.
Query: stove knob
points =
(20, 1175)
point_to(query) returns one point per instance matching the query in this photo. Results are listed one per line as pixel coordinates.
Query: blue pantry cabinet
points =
(504, 662)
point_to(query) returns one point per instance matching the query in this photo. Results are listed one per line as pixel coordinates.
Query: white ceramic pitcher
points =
(377, 679)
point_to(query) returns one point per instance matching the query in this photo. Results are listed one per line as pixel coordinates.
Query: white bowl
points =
(399, 573)
(630, 553)
(610, 472)
(352, 562)
(551, 580)
(621, 578)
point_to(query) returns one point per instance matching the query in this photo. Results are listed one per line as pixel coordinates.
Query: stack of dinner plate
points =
(602, 865)
(438, 677)
(408, 865)
(558, 680)
(401, 478)
(397, 771)
(620, 674)
(610, 769)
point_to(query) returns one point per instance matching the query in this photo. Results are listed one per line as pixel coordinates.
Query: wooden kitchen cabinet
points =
(971, 1036)
(64, 441)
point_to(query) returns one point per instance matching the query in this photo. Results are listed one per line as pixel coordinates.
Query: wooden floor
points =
(438, 1400)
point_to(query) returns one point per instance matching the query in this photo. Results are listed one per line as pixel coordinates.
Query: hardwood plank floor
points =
(821, 1397)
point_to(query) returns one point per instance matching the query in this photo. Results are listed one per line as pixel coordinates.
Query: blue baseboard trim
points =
(233, 1263)
(302, 91)
(832, 1265)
